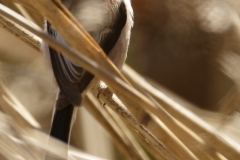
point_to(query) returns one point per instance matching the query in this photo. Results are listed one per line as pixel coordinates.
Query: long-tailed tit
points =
(109, 22)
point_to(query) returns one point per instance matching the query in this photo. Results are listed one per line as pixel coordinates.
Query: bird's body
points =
(109, 22)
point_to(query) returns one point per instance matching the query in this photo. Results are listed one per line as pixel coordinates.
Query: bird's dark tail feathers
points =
(61, 124)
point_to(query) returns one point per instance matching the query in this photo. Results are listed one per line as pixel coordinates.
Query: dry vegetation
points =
(141, 118)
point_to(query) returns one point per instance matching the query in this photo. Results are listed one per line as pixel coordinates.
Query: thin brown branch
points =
(21, 33)
(11, 106)
(130, 152)
(191, 121)
(106, 97)
(128, 136)
(25, 10)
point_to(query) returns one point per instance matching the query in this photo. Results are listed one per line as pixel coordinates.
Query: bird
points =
(109, 22)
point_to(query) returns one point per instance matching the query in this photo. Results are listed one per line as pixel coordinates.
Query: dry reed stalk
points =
(62, 48)
(11, 144)
(121, 141)
(106, 97)
(30, 143)
(22, 125)
(25, 10)
(153, 152)
(133, 135)
(11, 106)
(176, 151)
(128, 136)
(76, 35)
(95, 52)
(179, 150)
(191, 121)
(158, 113)
(24, 3)
(10, 4)
(192, 141)
(21, 33)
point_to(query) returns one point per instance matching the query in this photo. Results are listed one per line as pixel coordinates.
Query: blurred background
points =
(190, 48)
(178, 45)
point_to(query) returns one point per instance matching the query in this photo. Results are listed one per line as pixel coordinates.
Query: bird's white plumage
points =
(119, 52)
(94, 15)
(109, 22)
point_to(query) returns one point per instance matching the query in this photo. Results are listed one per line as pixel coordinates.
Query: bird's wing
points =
(66, 73)
(72, 79)
(108, 38)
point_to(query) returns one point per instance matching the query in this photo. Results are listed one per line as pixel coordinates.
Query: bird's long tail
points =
(61, 124)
